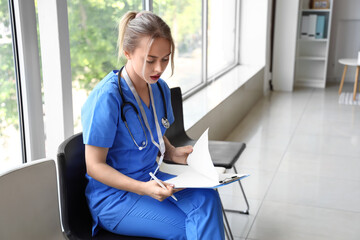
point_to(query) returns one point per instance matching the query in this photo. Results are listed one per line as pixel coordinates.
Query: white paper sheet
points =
(200, 159)
(201, 172)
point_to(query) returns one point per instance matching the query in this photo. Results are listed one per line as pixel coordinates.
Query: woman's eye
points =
(150, 62)
(165, 60)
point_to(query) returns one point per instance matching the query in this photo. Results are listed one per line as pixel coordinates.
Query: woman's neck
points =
(139, 83)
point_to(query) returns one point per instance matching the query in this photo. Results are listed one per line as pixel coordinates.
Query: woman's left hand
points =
(180, 154)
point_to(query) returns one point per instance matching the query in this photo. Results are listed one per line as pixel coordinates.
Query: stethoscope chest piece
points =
(165, 122)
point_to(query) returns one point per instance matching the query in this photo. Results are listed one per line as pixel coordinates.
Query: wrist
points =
(141, 188)
(169, 152)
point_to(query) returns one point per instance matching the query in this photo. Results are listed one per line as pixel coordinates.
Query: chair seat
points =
(225, 153)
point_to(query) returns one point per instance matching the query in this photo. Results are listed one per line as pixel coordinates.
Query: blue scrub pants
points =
(196, 215)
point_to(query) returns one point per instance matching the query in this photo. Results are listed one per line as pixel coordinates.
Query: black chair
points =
(76, 218)
(223, 153)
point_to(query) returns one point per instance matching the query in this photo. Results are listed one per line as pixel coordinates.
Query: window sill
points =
(202, 102)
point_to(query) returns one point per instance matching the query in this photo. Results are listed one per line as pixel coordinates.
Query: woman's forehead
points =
(159, 47)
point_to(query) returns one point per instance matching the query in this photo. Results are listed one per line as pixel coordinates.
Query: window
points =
(206, 38)
(93, 36)
(189, 21)
(93, 41)
(221, 35)
(10, 141)
(184, 19)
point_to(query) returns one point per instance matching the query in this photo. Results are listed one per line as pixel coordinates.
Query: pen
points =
(160, 183)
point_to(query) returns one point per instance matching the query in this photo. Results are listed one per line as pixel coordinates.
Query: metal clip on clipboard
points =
(230, 180)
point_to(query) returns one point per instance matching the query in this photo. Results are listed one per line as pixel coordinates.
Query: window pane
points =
(93, 44)
(10, 144)
(221, 35)
(184, 19)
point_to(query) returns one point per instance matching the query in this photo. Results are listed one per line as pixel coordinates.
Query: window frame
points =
(28, 79)
(17, 79)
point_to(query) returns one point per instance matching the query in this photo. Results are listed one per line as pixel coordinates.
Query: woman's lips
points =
(155, 77)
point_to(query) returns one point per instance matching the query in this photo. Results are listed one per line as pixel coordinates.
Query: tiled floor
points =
(303, 154)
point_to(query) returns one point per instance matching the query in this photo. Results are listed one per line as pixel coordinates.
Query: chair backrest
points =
(176, 102)
(76, 216)
(29, 204)
(176, 133)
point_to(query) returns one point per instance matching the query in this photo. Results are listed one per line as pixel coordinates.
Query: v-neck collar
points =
(144, 104)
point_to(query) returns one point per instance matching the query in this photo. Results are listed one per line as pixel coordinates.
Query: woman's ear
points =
(127, 55)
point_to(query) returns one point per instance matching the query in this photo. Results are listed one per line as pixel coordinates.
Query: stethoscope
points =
(164, 120)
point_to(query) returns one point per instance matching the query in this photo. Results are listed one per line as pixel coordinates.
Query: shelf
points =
(315, 10)
(310, 82)
(311, 58)
(313, 40)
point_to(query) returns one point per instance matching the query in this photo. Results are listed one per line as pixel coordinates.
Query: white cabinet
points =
(312, 45)
(284, 44)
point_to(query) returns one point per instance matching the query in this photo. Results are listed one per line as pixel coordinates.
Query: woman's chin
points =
(152, 81)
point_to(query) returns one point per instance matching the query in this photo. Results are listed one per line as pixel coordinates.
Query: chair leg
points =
(226, 232)
(226, 223)
(245, 198)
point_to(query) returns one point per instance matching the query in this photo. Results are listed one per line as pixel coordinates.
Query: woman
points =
(124, 121)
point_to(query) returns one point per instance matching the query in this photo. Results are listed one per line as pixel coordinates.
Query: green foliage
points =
(8, 102)
(184, 19)
(93, 38)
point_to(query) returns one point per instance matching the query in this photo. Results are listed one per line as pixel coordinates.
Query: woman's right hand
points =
(154, 190)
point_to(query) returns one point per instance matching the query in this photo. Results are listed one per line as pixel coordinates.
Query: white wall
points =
(222, 119)
(345, 38)
(286, 16)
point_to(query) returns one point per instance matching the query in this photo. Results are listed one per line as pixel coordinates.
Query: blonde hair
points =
(135, 25)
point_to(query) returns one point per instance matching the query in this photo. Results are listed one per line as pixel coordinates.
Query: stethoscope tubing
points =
(164, 120)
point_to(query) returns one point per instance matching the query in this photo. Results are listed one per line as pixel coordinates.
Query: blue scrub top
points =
(103, 127)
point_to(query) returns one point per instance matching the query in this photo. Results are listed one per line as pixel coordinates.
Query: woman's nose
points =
(158, 66)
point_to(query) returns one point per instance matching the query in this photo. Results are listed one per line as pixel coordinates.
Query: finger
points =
(168, 191)
(162, 194)
(178, 189)
(170, 187)
(186, 149)
(174, 190)
(189, 148)
(168, 184)
(160, 191)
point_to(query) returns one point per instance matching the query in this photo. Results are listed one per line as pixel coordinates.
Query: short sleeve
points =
(100, 116)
